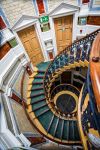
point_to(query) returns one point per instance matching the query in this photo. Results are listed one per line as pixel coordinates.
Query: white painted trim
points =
(53, 35)
(30, 19)
(3, 125)
(64, 5)
(36, 7)
(38, 32)
(52, 15)
(75, 18)
(16, 131)
(7, 70)
(20, 43)
(24, 140)
(25, 26)
(39, 36)
(7, 36)
(9, 139)
(41, 42)
(94, 13)
(7, 93)
(63, 14)
(13, 78)
(9, 67)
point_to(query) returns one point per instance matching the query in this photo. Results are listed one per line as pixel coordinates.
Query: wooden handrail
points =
(95, 69)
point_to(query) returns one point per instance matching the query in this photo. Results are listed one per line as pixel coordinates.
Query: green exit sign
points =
(44, 19)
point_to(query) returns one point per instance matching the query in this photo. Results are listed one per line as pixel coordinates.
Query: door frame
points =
(75, 18)
(25, 22)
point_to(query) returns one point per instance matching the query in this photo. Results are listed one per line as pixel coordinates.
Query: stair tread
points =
(38, 92)
(76, 132)
(71, 131)
(45, 119)
(37, 80)
(65, 134)
(36, 87)
(39, 74)
(43, 66)
(37, 98)
(59, 131)
(38, 104)
(41, 110)
(51, 130)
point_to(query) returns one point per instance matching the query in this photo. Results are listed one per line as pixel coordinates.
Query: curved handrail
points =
(95, 69)
(87, 113)
(65, 85)
(71, 52)
(76, 42)
(82, 135)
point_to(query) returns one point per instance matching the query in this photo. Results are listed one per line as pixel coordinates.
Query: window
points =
(85, 1)
(4, 50)
(93, 20)
(45, 27)
(95, 5)
(82, 20)
(13, 42)
(96, 2)
(40, 5)
(2, 24)
(50, 53)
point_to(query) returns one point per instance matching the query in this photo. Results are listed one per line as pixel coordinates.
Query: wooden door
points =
(50, 55)
(63, 30)
(31, 44)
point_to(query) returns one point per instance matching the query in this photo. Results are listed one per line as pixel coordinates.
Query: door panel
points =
(31, 44)
(63, 30)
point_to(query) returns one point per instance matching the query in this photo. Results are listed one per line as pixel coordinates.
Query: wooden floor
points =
(53, 146)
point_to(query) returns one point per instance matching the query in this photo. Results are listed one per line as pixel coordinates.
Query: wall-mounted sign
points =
(44, 19)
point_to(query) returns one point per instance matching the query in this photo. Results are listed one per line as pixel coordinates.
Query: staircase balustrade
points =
(43, 108)
(79, 50)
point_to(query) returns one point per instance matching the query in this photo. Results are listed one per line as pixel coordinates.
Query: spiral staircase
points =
(62, 113)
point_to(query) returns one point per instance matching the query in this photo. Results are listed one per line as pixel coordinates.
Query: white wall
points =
(9, 60)
(86, 29)
(10, 66)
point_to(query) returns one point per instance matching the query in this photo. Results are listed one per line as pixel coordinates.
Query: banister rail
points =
(76, 42)
(95, 69)
(79, 50)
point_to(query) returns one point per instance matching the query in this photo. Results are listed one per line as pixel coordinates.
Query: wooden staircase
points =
(55, 125)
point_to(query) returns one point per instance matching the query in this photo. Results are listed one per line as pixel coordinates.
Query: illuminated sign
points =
(44, 19)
